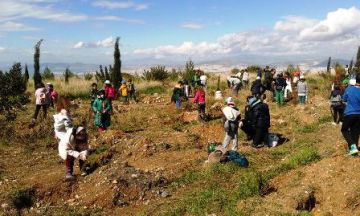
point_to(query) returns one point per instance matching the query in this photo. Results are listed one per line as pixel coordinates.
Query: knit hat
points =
(107, 82)
(230, 101)
(258, 78)
(352, 82)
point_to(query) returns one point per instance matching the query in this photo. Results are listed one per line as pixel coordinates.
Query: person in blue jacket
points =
(351, 120)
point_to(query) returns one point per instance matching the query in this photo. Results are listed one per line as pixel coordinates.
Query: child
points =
(71, 146)
(62, 122)
(199, 99)
(302, 89)
(288, 88)
(102, 109)
(110, 93)
(53, 94)
(93, 93)
(231, 120)
(42, 99)
(131, 90)
(280, 84)
(177, 95)
(124, 92)
(336, 104)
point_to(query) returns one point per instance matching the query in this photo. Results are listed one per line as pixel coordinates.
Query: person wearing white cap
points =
(231, 123)
(71, 146)
(302, 89)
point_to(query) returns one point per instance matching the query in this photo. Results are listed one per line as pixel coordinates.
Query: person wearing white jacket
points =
(62, 122)
(231, 123)
(74, 145)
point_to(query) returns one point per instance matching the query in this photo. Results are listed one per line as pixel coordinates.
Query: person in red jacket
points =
(199, 99)
(110, 93)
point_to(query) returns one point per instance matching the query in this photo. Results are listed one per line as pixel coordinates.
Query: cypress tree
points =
(351, 65)
(26, 76)
(37, 75)
(357, 64)
(116, 75)
(67, 75)
(328, 65)
(107, 76)
(102, 74)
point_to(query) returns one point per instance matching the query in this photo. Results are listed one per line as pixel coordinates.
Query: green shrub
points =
(21, 199)
(158, 73)
(48, 74)
(88, 76)
(152, 90)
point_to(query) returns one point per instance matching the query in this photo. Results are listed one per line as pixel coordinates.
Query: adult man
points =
(351, 120)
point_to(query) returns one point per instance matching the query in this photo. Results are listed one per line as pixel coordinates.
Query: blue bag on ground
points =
(238, 159)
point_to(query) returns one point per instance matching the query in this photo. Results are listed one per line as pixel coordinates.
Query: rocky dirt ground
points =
(151, 162)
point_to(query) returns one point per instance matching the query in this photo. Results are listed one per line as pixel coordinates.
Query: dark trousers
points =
(260, 135)
(69, 164)
(351, 129)
(37, 110)
(132, 96)
(337, 113)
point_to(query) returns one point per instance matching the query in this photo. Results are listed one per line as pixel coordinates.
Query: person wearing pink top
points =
(42, 99)
(199, 99)
(52, 93)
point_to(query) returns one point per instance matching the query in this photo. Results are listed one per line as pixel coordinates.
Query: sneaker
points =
(333, 123)
(353, 149)
(69, 177)
(84, 174)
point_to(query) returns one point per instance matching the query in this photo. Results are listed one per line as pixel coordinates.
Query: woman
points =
(102, 110)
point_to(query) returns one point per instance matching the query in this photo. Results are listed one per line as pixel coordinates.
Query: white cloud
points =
(119, 5)
(2, 49)
(14, 26)
(192, 25)
(120, 19)
(107, 42)
(337, 23)
(17, 9)
(294, 23)
(336, 34)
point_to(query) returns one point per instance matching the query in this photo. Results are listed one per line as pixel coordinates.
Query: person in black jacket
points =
(280, 84)
(256, 122)
(257, 88)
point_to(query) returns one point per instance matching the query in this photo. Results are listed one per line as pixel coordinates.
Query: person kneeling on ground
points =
(71, 146)
(257, 121)
(351, 120)
(102, 110)
(231, 120)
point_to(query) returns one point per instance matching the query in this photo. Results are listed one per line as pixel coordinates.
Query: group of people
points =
(238, 81)
(280, 85)
(345, 108)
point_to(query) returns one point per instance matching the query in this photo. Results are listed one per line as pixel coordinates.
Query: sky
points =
(163, 31)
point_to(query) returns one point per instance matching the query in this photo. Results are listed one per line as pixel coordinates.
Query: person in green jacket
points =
(102, 109)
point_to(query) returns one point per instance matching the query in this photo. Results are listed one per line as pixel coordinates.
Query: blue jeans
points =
(178, 104)
(302, 99)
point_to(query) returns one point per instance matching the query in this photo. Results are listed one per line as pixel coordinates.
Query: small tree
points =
(67, 75)
(290, 69)
(328, 65)
(116, 75)
(48, 74)
(218, 84)
(37, 75)
(88, 76)
(339, 71)
(26, 76)
(189, 71)
(158, 73)
(107, 75)
(17, 86)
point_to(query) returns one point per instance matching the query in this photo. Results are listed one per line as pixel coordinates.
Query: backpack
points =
(336, 100)
(111, 93)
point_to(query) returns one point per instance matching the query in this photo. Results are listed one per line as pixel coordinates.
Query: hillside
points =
(152, 162)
